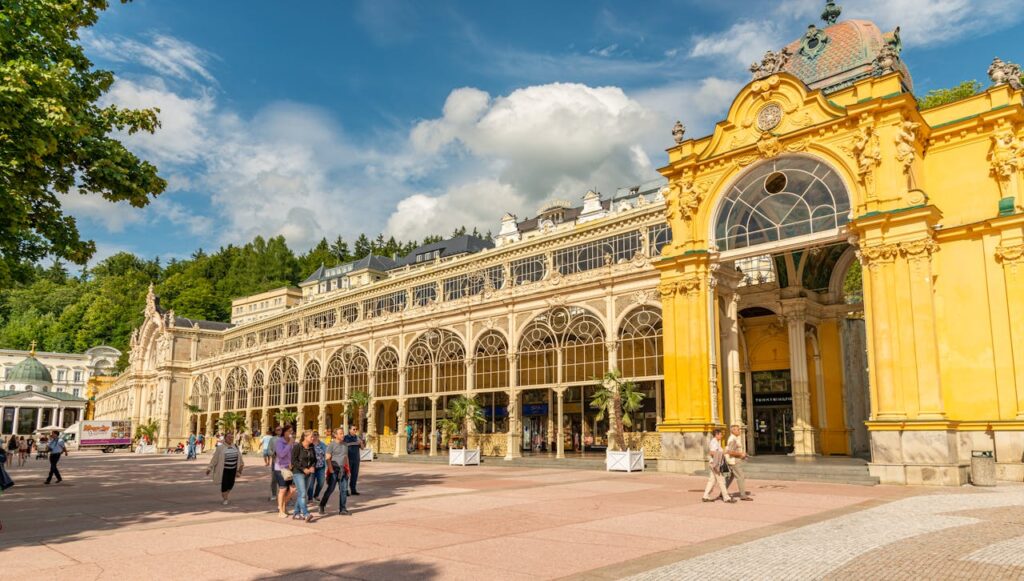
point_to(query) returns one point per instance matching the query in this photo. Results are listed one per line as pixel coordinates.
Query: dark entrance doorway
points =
(773, 411)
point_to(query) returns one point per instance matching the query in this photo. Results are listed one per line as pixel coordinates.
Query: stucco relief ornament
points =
(688, 197)
(1010, 255)
(678, 131)
(1007, 159)
(906, 152)
(768, 146)
(772, 62)
(867, 151)
(769, 117)
(814, 42)
(1005, 73)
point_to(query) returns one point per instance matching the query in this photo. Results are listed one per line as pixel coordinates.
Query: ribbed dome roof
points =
(842, 54)
(29, 371)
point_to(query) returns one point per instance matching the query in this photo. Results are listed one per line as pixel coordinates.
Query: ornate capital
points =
(667, 289)
(689, 285)
(872, 256)
(920, 249)
(611, 346)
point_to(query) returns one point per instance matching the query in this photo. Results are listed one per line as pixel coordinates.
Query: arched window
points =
(490, 362)
(640, 344)
(257, 389)
(229, 391)
(417, 369)
(336, 378)
(781, 198)
(436, 357)
(357, 371)
(241, 399)
(451, 364)
(311, 382)
(386, 373)
(291, 382)
(215, 396)
(274, 385)
(571, 335)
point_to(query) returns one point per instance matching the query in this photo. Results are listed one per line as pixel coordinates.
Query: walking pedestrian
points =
(716, 469)
(200, 443)
(735, 457)
(269, 459)
(265, 449)
(12, 449)
(316, 480)
(338, 471)
(191, 446)
(226, 465)
(283, 475)
(57, 447)
(355, 444)
(22, 451)
(5, 479)
(408, 438)
(303, 466)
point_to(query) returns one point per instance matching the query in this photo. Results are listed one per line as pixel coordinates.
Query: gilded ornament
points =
(768, 146)
(771, 63)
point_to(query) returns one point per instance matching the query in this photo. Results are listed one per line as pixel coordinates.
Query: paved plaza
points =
(124, 516)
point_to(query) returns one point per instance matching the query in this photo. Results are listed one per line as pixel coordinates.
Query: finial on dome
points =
(831, 12)
(32, 349)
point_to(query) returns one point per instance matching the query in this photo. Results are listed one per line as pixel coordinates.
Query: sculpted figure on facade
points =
(887, 59)
(1007, 159)
(678, 131)
(906, 151)
(772, 62)
(867, 152)
(1005, 73)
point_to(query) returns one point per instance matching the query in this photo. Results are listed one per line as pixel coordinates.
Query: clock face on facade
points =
(769, 117)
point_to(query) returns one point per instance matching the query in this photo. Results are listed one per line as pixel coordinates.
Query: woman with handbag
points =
(283, 470)
(225, 465)
(303, 468)
(717, 469)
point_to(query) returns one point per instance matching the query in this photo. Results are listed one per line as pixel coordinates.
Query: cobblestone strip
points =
(815, 551)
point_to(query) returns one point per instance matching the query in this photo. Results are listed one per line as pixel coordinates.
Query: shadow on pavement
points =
(390, 569)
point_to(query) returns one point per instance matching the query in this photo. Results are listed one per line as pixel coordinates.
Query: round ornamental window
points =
(769, 117)
(775, 182)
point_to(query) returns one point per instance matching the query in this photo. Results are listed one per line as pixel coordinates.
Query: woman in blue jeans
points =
(315, 482)
(303, 467)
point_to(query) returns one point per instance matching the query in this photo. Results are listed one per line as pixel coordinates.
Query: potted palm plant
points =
(618, 399)
(146, 433)
(284, 417)
(360, 402)
(464, 414)
(233, 422)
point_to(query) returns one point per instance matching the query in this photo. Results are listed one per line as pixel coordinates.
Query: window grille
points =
(389, 303)
(756, 269)
(321, 320)
(658, 237)
(229, 392)
(424, 294)
(241, 399)
(293, 327)
(640, 354)
(250, 340)
(215, 396)
(490, 362)
(779, 199)
(311, 382)
(257, 389)
(272, 334)
(570, 334)
(598, 253)
(527, 270)
(350, 313)
(386, 373)
(472, 284)
(335, 378)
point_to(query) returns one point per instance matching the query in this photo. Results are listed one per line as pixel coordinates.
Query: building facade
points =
(262, 305)
(745, 307)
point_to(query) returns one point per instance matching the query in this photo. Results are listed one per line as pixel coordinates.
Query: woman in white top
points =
(225, 465)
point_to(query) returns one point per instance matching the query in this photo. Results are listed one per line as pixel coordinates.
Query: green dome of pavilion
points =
(29, 371)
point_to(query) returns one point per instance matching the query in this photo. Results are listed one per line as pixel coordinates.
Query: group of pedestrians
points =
(19, 449)
(194, 446)
(725, 465)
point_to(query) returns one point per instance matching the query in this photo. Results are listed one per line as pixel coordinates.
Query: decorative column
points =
(731, 348)
(918, 256)
(371, 413)
(265, 423)
(433, 425)
(879, 296)
(321, 417)
(803, 431)
(1011, 255)
(321, 420)
(163, 439)
(17, 416)
(551, 420)
(39, 418)
(3, 409)
(401, 440)
(612, 347)
(60, 417)
(561, 424)
(345, 410)
(515, 432)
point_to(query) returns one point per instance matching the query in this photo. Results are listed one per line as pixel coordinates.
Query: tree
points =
(619, 399)
(362, 248)
(359, 400)
(937, 97)
(340, 250)
(853, 284)
(464, 413)
(284, 417)
(55, 139)
(232, 422)
(147, 430)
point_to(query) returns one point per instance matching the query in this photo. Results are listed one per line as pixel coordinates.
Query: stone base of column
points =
(515, 446)
(685, 452)
(805, 441)
(400, 445)
(923, 453)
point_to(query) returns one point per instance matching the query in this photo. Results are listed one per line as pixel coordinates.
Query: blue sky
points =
(334, 118)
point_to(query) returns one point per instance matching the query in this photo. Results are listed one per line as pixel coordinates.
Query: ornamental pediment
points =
(30, 397)
(765, 110)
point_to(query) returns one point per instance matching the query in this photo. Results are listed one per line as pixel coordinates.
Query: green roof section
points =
(30, 370)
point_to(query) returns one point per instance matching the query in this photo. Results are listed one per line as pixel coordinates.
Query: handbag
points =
(287, 474)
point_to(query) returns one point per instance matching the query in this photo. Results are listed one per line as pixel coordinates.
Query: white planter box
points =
(627, 461)
(366, 455)
(463, 457)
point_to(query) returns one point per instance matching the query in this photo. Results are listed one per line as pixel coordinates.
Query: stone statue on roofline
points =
(1005, 73)
(771, 63)
(678, 130)
(831, 13)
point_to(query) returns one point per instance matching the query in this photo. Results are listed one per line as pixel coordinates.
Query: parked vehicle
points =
(106, 435)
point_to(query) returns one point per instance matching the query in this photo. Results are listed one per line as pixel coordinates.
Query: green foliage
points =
(360, 401)
(55, 138)
(937, 97)
(462, 412)
(232, 422)
(149, 429)
(853, 284)
(285, 417)
(619, 399)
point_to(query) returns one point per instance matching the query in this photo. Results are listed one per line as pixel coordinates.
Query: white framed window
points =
(61, 374)
(78, 376)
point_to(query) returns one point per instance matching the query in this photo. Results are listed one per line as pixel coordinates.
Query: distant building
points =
(256, 307)
(46, 389)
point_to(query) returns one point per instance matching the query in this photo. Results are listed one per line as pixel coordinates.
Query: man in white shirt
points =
(735, 456)
(716, 458)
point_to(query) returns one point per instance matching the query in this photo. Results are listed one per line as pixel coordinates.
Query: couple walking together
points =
(725, 464)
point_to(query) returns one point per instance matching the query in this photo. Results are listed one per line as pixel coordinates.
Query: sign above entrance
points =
(535, 409)
(773, 398)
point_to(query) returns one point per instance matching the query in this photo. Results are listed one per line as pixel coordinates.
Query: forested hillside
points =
(69, 312)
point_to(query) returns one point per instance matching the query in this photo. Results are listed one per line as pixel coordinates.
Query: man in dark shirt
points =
(337, 457)
(355, 445)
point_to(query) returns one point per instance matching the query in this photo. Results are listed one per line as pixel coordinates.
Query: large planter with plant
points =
(463, 413)
(618, 399)
(624, 461)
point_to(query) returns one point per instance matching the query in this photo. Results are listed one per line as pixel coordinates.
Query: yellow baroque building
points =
(834, 269)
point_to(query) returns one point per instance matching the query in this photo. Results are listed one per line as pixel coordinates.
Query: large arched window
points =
(257, 389)
(348, 370)
(242, 385)
(490, 362)
(215, 396)
(781, 198)
(386, 373)
(311, 382)
(291, 382)
(436, 356)
(571, 335)
(640, 346)
(229, 391)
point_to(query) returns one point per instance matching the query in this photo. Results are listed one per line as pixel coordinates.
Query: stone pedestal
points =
(684, 452)
(922, 455)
